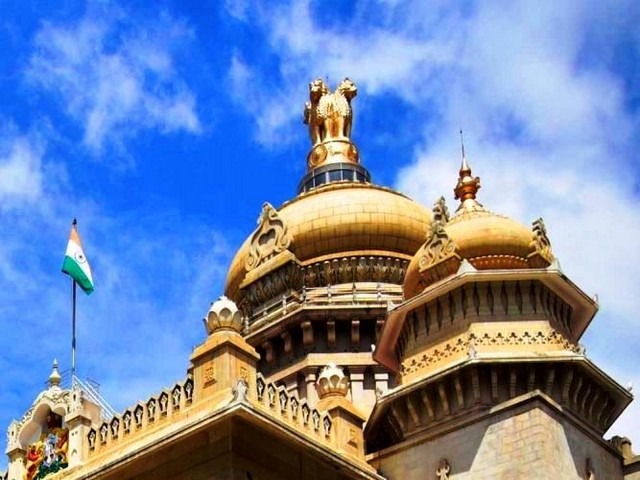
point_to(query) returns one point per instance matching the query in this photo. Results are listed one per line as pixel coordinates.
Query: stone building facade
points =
(362, 335)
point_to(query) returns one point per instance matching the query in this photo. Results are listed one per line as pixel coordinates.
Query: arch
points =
(32, 425)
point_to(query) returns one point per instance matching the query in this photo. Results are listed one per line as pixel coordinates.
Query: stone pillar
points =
(17, 463)
(82, 415)
(225, 357)
(310, 379)
(356, 376)
(332, 387)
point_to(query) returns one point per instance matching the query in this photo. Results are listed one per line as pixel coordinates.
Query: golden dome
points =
(342, 219)
(484, 239)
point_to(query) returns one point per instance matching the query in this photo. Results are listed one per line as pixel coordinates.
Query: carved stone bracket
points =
(439, 247)
(543, 255)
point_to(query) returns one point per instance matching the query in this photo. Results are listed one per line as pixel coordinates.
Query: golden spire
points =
(467, 186)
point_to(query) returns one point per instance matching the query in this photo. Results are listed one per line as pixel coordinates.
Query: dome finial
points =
(54, 378)
(468, 185)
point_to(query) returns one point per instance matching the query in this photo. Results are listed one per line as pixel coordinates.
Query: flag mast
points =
(73, 319)
(76, 266)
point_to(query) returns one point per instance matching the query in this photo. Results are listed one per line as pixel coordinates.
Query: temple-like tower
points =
(316, 277)
(492, 380)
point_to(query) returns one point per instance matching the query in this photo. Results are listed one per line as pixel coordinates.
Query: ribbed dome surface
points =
(343, 219)
(483, 233)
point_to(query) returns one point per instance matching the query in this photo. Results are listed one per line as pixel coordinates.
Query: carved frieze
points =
(345, 270)
(468, 345)
(271, 238)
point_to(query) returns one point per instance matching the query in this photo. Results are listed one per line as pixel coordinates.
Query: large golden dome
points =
(340, 231)
(343, 219)
(484, 239)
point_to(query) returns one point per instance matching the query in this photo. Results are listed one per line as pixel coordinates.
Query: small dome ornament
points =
(332, 382)
(54, 377)
(223, 315)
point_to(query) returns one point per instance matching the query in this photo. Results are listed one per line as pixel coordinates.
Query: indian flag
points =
(75, 263)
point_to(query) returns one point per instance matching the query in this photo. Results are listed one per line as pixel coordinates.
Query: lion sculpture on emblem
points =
(329, 115)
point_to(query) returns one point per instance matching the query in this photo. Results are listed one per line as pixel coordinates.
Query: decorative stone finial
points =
(223, 315)
(54, 378)
(467, 186)
(332, 381)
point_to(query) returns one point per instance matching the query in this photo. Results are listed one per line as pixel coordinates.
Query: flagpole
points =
(74, 225)
(73, 331)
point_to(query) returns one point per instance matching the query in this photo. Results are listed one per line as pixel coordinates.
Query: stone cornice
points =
(442, 399)
(583, 308)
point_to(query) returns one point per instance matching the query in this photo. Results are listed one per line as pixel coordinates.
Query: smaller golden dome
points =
(223, 315)
(486, 240)
(332, 382)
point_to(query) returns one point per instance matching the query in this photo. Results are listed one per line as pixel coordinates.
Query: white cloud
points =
(21, 173)
(116, 78)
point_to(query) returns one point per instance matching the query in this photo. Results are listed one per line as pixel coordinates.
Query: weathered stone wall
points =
(528, 442)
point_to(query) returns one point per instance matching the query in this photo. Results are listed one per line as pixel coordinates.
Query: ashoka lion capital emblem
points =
(330, 118)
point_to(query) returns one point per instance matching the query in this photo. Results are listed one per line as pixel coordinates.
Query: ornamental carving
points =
(540, 241)
(440, 211)
(271, 238)
(49, 453)
(438, 245)
(329, 115)
(345, 270)
(471, 343)
(442, 472)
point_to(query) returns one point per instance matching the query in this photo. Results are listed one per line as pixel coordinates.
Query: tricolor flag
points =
(75, 263)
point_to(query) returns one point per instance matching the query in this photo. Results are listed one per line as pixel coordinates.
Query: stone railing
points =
(341, 295)
(171, 403)
(296, 413)
(157, 410)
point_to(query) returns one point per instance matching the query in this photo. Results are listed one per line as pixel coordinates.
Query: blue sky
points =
(164, 126)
